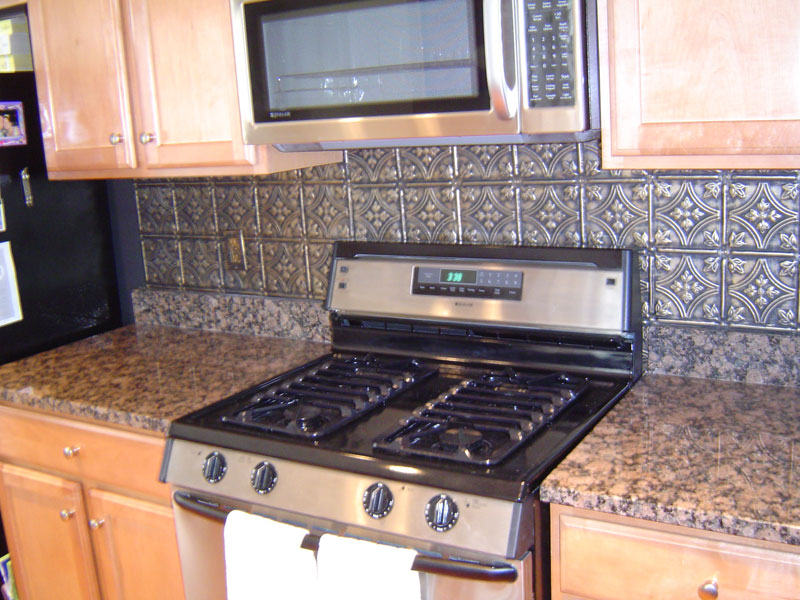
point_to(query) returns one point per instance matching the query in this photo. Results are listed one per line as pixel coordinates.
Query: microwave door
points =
(376, 69)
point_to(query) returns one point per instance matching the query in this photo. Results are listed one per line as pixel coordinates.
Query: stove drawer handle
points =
(497, 572)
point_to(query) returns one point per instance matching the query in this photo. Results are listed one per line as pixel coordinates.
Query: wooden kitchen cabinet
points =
(132, 88)
(599, 556)
(688, 84)
(44, 518)
(84, 513)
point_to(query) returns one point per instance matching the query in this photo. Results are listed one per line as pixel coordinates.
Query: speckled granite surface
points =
(146, 376)
(751, 357)
(293, 318)
(714, 455)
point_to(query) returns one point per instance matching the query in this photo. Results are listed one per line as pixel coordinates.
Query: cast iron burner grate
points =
(327, 396)
(483, 420)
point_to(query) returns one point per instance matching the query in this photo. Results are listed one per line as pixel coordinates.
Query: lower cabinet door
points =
(44, 518)
(137, 550)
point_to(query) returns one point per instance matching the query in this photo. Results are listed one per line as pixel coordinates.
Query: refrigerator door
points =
(60, 236)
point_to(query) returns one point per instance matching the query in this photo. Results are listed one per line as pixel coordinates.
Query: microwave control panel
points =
(551, 52)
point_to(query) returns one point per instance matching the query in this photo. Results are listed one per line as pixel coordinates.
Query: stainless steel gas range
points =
(459, 377)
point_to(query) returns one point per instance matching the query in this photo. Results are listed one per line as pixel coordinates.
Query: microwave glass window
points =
(369, 53)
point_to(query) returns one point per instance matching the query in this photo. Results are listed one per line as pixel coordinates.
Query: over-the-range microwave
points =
(331, 74)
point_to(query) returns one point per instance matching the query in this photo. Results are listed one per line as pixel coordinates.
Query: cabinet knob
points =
(96, 523)
(709, 590)
(71, 451)
(66, 514)
(147, 138)
(115, 138)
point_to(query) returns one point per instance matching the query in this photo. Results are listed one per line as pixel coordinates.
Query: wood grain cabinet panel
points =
(137, 555)
(116, 537)
(117, 458)
(597, 556)
(688, 84)
(137, 88)
(44, 518)
(82, 83)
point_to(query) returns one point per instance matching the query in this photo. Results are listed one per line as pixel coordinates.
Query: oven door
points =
(200, 521)
(344, 70)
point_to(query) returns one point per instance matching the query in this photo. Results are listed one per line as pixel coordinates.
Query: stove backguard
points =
(544, 308)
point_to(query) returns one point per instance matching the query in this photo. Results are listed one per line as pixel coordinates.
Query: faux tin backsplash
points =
(718, 248)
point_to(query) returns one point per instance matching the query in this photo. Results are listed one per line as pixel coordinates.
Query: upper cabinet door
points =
(187, 111)
(82, 84)
(687, 84)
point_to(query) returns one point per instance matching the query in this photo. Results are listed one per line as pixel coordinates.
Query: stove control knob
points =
(378, 500)
(214, 467)
(263, 477)
(441, 512)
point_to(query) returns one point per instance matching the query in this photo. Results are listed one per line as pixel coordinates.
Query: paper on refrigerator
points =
(10, 308)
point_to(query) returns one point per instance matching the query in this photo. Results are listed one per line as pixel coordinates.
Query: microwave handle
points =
(498, 18)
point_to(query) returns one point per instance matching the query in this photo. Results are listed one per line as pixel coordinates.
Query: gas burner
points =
(484, 419)
(323, 397)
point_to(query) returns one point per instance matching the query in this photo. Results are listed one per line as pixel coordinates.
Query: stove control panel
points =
(469, 283)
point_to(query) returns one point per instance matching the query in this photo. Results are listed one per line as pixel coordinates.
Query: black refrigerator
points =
(57, 275)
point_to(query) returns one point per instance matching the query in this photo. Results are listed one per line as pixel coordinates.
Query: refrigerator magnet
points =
(10, 307)
(12, 124)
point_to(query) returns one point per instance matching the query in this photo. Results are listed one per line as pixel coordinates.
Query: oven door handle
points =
(497, 572)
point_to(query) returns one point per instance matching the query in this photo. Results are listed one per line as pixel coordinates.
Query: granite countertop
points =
(714, 455)
(702, 453)
(146, 376)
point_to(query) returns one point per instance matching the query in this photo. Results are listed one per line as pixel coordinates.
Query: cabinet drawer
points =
(605, 557)
(104, 455)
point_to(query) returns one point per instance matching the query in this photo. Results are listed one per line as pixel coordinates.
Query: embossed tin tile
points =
(617, 214)
(194, 205)
(201, 267)
(485, 163)
(372, 165)
(280, 211)
(236, 208)
(722, 231)
(332, 174)
(156, 208)
(687, 213)
(249, 279)
(378, 214)
(762, 290)
(319, 259)
(326, 212)
(687, 287)
(550, 215)
(762, 214)
(432, 164)
(431, 214)
(161, 261)
(488, 215)
(547, 161)
(285, 269)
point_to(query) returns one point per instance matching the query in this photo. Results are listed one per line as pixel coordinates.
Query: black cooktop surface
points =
(495, 432)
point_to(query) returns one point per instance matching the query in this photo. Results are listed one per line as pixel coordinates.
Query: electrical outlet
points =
(235, 258)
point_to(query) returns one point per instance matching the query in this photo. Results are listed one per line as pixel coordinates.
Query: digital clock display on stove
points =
(494, 284)
(457, 276)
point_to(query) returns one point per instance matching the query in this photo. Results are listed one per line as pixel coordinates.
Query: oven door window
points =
(315, 60)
